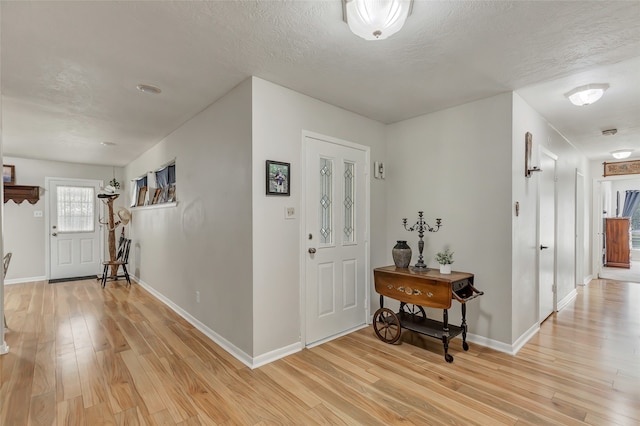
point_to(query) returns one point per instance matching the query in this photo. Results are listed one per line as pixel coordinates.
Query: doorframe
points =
(47, 231)
(303, 227)
(580, 234)
(550, 154)
(597, 222)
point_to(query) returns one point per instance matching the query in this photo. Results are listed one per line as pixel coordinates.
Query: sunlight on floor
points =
(623, 274)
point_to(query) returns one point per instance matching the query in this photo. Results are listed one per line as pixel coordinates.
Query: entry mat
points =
(64, 280)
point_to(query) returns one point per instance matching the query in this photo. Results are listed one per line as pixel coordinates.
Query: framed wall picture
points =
(631, 167)
(278, 177)
(8, 174)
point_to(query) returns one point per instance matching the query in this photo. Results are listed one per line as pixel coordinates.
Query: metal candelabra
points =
(421, 226)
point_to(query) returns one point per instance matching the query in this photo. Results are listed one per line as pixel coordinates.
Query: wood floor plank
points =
(42, 409)
(70, 412)
(44, 374)
(142, 382)
(83, 355)
(117, 381)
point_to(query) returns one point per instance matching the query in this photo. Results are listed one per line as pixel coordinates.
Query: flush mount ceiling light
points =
(586, 95)
(376, 19)
(149, 89)
(621, 153)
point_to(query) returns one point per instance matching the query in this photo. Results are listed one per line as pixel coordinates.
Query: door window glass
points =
(326, 194)
(76, 209)
(348, 203)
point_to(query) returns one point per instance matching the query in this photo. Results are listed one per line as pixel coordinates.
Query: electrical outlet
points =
(37, 213)
(197, 296)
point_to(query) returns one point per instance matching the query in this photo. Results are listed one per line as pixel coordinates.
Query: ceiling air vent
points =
(609, 132)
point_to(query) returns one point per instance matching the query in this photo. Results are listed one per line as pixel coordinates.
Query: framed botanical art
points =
(278, 178)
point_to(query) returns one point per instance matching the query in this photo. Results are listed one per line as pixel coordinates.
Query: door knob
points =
(312, 250)
(543, 247)
(55, 234)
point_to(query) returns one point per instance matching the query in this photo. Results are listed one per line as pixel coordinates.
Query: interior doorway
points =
(609, 197)
(547, 234)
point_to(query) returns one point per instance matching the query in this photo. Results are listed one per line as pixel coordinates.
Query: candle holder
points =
(421, 226)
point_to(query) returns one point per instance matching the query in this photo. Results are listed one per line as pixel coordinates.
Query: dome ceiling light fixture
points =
(621, 154)
(586, 95)
(149, 89)
(376, 19)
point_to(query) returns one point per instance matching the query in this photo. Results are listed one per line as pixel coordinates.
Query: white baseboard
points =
(504, 347)
(335, 336)
(4, 348)
(587, 279)
(567, 299)
(238, 353)
(24, 280)
(265, 359)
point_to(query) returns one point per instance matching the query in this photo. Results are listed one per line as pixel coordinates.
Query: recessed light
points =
(149, 89)
(108, 144)
(586, 95)
(621, 153)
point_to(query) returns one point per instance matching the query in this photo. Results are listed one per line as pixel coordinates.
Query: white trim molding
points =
(24, 280)
(232, 349)
(567, 299)
(511, 349)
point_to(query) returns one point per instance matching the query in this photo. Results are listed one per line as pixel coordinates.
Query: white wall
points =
(279, 117)
(456, 164)
(525, 226)
(204, 243)
(631, 184)
(24, 234)
(525, 294)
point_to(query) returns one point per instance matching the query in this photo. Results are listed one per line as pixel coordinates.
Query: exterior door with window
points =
(336, 258)
(74, 234)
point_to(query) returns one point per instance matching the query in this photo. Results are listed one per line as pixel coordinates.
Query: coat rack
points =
(112, 224)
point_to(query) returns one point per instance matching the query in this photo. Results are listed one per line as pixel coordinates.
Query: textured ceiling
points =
(69, 69)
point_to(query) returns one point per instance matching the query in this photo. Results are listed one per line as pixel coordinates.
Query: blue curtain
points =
(162, 176)
(631, 201)
(172, 174)
(141, 182)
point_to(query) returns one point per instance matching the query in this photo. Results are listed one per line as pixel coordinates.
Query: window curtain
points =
(631, 201)
(162, 176)
(136, 185)
(75, 209)
(134, 192)
(172, 174)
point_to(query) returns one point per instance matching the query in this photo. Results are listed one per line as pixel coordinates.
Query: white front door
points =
(336, 238)
(74, 234)
(546, 233)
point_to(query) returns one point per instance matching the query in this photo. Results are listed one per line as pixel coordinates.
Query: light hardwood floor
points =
(81, 355)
